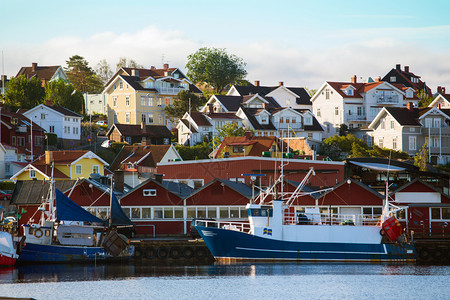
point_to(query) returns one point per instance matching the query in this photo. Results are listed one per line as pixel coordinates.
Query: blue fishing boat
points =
(68, 233)
(276, 231)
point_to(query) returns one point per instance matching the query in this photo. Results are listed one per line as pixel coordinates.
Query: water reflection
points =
(65, 272)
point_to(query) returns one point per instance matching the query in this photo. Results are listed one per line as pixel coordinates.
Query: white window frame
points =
(32, 173)
(127, 101)
(114, 101)
(78, 169)
(96, 169)
(127, 118)
(412, 142)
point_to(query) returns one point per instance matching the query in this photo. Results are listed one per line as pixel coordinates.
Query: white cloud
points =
(302, 62)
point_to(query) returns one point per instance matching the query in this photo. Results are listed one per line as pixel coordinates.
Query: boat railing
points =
(237, 226)
(331, 219)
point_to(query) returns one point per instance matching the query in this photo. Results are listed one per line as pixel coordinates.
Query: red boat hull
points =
(6, 260)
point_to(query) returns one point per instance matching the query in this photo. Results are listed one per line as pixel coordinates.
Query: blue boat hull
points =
(35, 253)
(231, 245)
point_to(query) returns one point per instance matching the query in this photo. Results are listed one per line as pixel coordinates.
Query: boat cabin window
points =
(260, 212)
(31, 230)
(47, 232)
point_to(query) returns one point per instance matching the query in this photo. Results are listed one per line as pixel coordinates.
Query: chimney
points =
(410, 106)
(443, 90)
(33, 67)
(281, 83)
(49, 102)
(166, 66)
(407, 69)
(439, 90)
(256, 82)
(353, 79)
(248, 135)
(119, 180)
(48, 157)
(378, 79)
(152, 68)
(398, 67)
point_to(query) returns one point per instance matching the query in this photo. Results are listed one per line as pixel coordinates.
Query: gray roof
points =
(180, 189)
(239, 187)
(31, 192)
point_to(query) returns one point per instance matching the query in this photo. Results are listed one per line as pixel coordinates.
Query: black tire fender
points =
(162, 252)
(149, 252)
(188, 252)
(175, 252)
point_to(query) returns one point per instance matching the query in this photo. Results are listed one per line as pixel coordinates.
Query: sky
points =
(300, 43)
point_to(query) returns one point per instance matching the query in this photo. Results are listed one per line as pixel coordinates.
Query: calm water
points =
(241, 281)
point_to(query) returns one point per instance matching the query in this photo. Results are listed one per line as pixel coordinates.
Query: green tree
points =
(181, 105)
(215, 67)
(359, 151)
(343, 130)
(421, 158)
(227, 130)
(82, 76)
(127, 63)
(200, 151)
(24, 93)
(424, 98)
(62, 93)
(103, 71)
(311, 92)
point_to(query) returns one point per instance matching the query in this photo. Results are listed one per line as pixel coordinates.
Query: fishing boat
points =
(276, 231)
(8, 250)
(68, 233)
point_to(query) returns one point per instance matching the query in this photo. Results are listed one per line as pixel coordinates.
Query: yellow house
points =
(68, 164)
(136, 95)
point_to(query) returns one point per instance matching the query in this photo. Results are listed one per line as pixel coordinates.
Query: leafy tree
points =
(311, 92)
(227, 130)
(24, 93)
(387, 153)
(424, 98)
(200, 151)
(127, 63)
(62, 93)
(215, 67)
(181, 105)
(359, 151)
(343, 130)
(103, 71)
(82, 76)
(421, 158)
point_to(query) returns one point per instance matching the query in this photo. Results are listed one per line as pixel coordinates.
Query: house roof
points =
(233, 103)
(42, 72)
(223, 116)
(147, 156)
(133, 81)
(406, 75)
(47, 170)
(303, 96)
(32, 192)
(250, 114)
(62, 157)
(260, 144)
(345, 182)
(200, 119)
(158, 131)
(8, 116)
(64, 111)
(314, 127)
(189, 125)
(360, 87)
(404, 116)
(239, 187)
(182, 190)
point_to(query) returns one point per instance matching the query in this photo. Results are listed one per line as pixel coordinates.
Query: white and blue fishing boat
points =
(68, 233)
(276, 231)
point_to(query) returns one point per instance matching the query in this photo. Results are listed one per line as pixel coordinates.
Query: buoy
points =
(38, 233)
(175, 252)
(162, 252)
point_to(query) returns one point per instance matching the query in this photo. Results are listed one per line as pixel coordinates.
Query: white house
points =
(65, 123)
(356, 104)
(96, 104)
(442, 99)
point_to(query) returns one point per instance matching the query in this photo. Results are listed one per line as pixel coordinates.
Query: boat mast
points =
(111, 191)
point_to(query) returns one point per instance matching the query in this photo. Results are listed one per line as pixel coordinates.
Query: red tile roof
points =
(42, 72)
(260, 144)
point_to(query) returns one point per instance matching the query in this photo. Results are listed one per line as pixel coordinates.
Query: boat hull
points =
(7, 260)
(231, 245)
(36, 253)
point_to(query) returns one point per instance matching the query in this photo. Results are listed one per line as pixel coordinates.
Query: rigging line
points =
(97, 199)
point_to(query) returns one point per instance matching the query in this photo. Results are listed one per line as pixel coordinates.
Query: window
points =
(143, 101)
(42, 116)
(38, 141)
(144, 118)
(167, 101)
(78, 169)
(318, 112)
(394, 143)
(161, 119)
(308, 121)
(293, 120)
(159, 101)
(287, 120)
(13, 142)
(336, 111)
(310, 135)
(127, 100)
(392, 124)
(150, 118)
(120, 85)
(359, 111)
(114, 101)
(32, 173)
(74, 130)
(20, 141)
(337, 127)
(428, 122)
(238, 149)
(150, 101)
(412, 143)
(281, 120)
(52, 128)
(393, 79)
(440, 213)
(127, 117)
(149, 192)
(412, 129)
(436, 123)
(380, 143)
(382, 124)
(95, 169)
(327, 94)
(436, 142)
(350, 92)
(128, 139)
(115, 118)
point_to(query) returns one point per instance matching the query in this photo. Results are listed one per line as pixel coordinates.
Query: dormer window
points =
(350, 92)
(409, 94)
(308, 121)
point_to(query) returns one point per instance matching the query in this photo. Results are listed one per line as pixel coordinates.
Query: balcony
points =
(169, 91)
(355, 117)
(21, 129)
(387, 99)
(437, 150)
